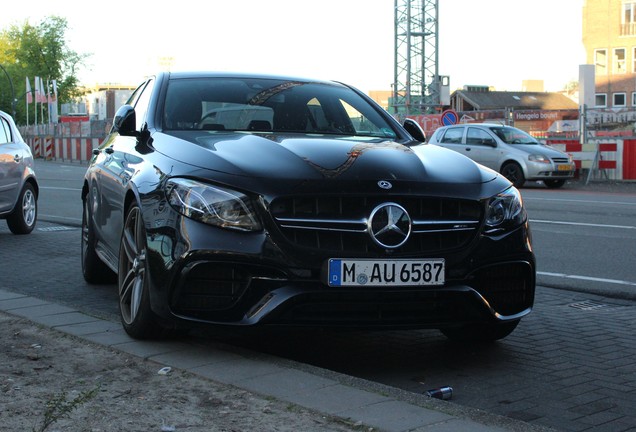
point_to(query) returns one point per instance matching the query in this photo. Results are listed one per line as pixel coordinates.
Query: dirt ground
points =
(55, 382)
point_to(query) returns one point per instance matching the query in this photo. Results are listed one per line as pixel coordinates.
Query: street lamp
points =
(12, 91)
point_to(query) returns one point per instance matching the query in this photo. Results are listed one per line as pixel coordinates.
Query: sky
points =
(497, 43)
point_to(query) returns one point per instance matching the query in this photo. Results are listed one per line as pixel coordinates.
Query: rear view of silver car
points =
(18, 185)
(508, 150)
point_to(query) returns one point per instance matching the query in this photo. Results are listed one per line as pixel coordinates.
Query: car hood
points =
(539, 149)
(307, 158)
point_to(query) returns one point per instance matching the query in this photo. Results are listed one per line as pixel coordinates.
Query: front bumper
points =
(219, 278)
(538, 171)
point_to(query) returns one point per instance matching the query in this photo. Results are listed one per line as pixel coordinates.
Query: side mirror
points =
(491, 142)
(415, 130)
(125, 121)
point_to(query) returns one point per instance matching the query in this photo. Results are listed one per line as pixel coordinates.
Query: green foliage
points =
(59, 407)
(41, 50)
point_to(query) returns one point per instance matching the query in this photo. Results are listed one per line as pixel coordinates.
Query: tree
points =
(30, 51)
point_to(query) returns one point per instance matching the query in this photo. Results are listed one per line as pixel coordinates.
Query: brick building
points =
(609, 38)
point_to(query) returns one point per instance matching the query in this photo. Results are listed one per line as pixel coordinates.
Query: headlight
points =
(505, 211)
(212, 205)
(539, 158)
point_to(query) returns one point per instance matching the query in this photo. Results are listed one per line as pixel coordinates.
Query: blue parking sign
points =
(449, 117)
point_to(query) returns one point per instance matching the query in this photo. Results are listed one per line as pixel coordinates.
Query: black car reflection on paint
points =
(246, 200)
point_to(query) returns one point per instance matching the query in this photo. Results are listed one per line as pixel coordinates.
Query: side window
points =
(453, 136)
(5, 131)
(358, 122)
(317, 114)
(478, 137)
(141, 105)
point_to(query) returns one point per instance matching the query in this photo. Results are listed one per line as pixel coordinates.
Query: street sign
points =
(449, 117)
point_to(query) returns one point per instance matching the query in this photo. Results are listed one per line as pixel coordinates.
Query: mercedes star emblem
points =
(385, 184)
(389, 225)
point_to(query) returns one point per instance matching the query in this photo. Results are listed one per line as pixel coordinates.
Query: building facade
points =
(609, 38)
(102, 101)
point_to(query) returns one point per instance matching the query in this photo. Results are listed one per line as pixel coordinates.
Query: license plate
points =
(564, 168)
(363, 272)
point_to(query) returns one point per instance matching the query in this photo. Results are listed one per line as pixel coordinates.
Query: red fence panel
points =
(629, 159)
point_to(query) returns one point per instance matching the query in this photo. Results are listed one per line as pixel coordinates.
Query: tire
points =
(136, 315)
(513, 172)
(94, 270)
(23, 218)
(554, 184)
(480, 332)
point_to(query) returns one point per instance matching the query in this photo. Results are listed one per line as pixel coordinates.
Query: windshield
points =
(511, 135)
(270, 106)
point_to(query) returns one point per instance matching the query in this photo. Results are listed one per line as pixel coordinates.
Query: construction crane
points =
(417, 88)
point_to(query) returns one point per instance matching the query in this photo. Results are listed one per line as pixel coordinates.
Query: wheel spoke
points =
(125, 295)
(139, 232)
(129, 245)
(135, 299)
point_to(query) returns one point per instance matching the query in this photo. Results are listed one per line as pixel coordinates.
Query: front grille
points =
(561, 160)
(340, 223)
(508, 288)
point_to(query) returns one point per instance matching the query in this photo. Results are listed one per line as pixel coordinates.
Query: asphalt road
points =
(571, 364)
(585, 237)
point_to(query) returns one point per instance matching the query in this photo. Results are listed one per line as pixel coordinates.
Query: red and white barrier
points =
(64, 149)
(608, 151)
(37, 147)
(48, 148)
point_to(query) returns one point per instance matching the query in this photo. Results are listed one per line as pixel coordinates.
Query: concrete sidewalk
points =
(377, 407)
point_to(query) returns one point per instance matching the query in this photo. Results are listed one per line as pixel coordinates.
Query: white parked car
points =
(508, 150)
(18, 184)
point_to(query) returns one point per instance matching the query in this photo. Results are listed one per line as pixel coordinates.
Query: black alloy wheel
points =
(134, 304)
(513, 172)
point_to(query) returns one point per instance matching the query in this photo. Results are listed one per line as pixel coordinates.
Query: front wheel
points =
(134, 303)
(513, 172)
(480, 332)
(554, 184)
(22, 219)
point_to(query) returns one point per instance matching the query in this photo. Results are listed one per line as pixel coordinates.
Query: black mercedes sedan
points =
(244, 200)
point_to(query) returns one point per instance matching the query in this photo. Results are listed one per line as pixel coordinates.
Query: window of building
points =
(628, 18)
(600, 100)
(619, 99)
(633, 98)
(634, 60)
(600, 61)
(618, 64)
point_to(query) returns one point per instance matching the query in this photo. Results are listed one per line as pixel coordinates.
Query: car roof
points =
(221, 74)
(478, 124)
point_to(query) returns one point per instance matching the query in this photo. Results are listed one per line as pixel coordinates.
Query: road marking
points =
(60, 188)
(579, 201)
(588, 278)
(57, 228)
(582, 224)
